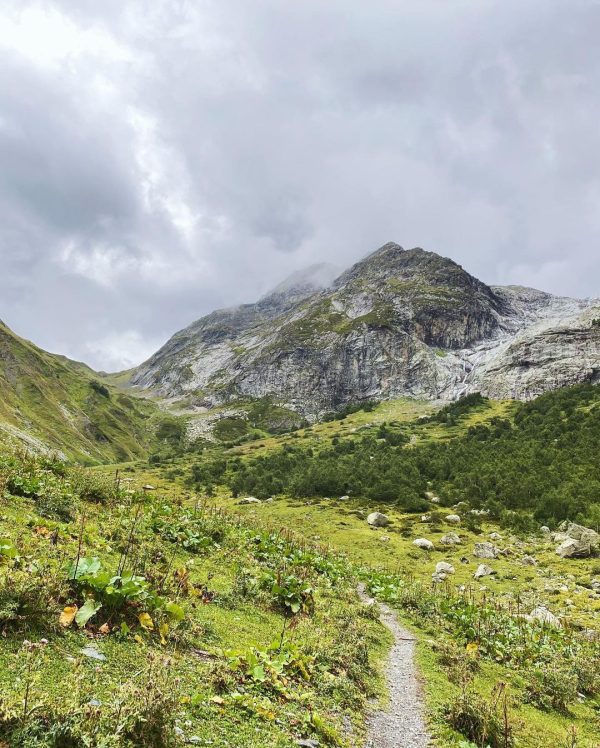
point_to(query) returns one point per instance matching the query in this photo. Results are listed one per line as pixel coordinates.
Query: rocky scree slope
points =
(399, 322)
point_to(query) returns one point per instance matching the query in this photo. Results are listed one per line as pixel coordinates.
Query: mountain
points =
(399, 322)
(48, 402)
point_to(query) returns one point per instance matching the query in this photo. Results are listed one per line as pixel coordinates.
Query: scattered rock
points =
(377, 519)
(580, 541)
(310, 743)
(485, 550)
(148, 487)
(425, 518)
(450, 538)
(344, 498)
(423, 543)
(93, 653)
(529, 561)
(544, 529)
(444, 567)
(495, 536)
(544, 616)
(453, 519)
(438, 577)
(384, 538)
(250, 500)
(483, 570)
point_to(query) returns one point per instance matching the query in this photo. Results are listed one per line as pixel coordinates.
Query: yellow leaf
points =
(472, 647)
(217, 700)
(146, 622)
(138, 639)
(67, 617)
(163, 630)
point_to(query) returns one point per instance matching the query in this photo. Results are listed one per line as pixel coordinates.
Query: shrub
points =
(485, 723)
(551, 687)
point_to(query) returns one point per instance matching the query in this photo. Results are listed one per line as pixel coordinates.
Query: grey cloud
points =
(199, 152)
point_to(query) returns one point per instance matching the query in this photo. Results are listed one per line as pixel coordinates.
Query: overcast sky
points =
(161, 158)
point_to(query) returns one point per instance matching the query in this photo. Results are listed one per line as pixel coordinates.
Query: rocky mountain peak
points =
(398, 322)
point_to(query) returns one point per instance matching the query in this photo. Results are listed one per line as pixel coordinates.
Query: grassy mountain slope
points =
(478, 650)
(49, 401)
(147, 619)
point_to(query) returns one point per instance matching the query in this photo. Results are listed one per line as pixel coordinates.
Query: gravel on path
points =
(401, 725)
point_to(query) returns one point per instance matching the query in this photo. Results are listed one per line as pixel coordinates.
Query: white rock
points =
(344, 498)
(544, 616)
(453, 519)
(423, 543)
(483, 571)
(485, 550)
(529, 561)
(544, 529)
(250, 500)
(444, 567)
(495, 536)
(377, 519)
(450, 538)
(425, 518)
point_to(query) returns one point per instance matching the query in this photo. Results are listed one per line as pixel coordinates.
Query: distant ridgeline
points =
(541, 463)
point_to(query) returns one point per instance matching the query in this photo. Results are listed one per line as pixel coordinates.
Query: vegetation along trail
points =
(401, 725)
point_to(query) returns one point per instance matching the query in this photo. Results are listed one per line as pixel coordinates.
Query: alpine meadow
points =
(311, 488)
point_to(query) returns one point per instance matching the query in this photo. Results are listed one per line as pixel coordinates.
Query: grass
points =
(50, 402)
(192, 662)
(341, 525)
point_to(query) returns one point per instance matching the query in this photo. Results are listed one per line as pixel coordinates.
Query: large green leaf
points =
(87, 610)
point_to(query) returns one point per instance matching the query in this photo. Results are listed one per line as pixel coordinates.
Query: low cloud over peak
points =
(160, 159)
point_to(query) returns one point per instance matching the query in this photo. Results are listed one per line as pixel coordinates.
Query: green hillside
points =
(48, 401)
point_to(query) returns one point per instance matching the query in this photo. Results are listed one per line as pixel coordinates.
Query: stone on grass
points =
(344, 498)
(580, 541)
(451, 538)
(444, 567)
(544, 616)
(453, 519)
(495, 536)
(544, 529)
(485, 550)
(250, 500)
(529, 561)
(483, 570)
(377, 519)
(423, 543)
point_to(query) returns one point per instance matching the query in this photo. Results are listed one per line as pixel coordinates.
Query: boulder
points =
(485, 550)
(443, 567)
(544, 616)
(580, 541)
(453, 519)
(438, 577)
(250, 500)
(425, 518)
(545, 530)
(377, 519)
(450, 538)
(483, 570)
(344, 498)
(529, 561)
(423, 543)
(495, 536)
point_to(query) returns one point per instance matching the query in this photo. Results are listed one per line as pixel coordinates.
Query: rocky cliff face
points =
(400, 322)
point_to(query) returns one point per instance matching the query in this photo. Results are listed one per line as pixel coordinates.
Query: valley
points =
(182, 545)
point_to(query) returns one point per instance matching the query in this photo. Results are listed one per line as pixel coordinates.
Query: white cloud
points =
(163, 158)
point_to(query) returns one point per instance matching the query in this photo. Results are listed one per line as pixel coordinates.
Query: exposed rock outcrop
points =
(400, 322)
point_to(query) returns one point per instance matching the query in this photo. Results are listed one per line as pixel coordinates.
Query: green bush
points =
(551, 687)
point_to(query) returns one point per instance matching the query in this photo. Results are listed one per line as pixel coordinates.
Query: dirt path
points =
(402, 724)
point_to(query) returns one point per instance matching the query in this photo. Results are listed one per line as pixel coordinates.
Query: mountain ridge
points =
(397, 322)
